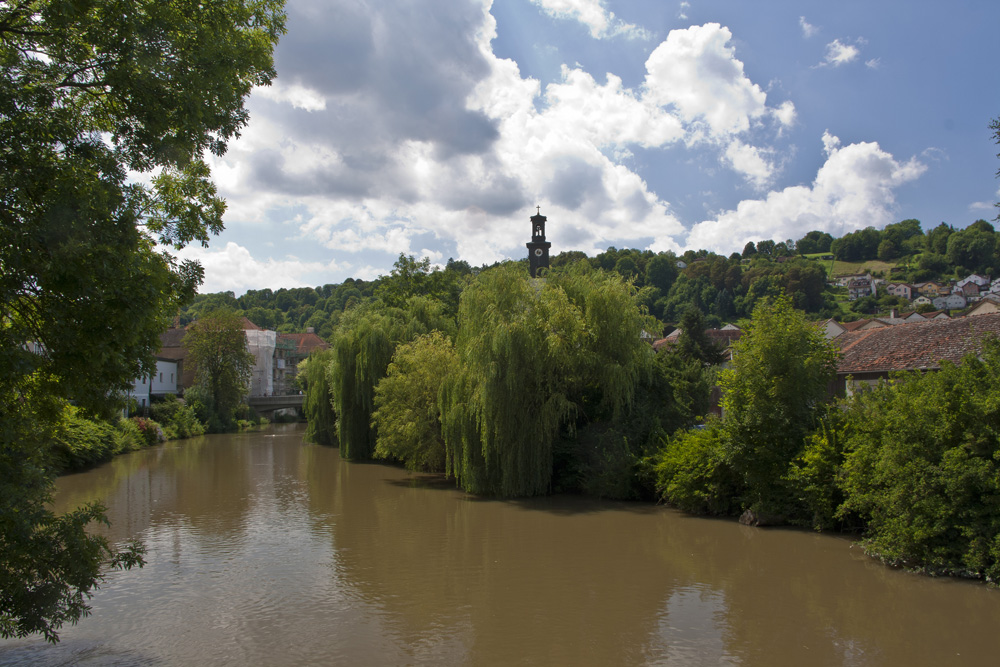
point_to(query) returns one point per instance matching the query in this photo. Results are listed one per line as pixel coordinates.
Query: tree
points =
(318, 405)
(362, 350)
(407, 416)
(781, 368)
(972, 250)
(533, 359)
(217, 346)
(813, 242)
(922, 467)
(90, 91)
(694, 343)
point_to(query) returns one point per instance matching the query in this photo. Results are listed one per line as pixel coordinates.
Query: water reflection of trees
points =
(422, 573)
(496, 582)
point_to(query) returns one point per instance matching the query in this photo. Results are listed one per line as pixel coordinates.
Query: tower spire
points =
(538, 249)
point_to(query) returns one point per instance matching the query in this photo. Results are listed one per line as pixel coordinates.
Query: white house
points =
(950, 302)
(164, 380)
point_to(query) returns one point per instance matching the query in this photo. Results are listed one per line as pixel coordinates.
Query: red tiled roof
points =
(916, 345)
(305, 343)
(856, 324)
(721, 337)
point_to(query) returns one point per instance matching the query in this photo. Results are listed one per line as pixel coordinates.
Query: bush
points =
(691, 472)
(179, 419)
(80, 442)
(151, 432)
(922, 467)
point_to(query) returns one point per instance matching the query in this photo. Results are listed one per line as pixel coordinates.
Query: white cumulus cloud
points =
(853, 189)
(234, 268)
(593, 14)
(808, 30)
(695, 71)
(839, 53)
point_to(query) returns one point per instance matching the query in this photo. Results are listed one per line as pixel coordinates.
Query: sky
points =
(434, 128)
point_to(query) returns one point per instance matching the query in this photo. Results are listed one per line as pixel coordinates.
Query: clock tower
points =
(538, 249)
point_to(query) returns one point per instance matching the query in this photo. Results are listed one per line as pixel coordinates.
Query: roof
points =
(915, 345)
(172, 337)
(855, 325)
(250, 326)
(305, 343)
(721, 337)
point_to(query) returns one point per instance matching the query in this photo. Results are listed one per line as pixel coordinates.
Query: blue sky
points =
(434, 128)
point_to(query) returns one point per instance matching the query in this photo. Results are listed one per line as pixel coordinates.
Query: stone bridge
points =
(266, 405)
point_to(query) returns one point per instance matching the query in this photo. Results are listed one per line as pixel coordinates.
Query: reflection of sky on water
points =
(691, 630)
(262, 550)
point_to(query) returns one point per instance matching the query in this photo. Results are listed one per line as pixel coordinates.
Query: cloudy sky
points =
(435, 127)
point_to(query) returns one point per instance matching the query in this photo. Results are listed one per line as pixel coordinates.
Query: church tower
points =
(538, 249)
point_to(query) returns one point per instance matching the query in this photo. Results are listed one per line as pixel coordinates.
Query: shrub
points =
(79, 442)
(922, 467)
(691, 472)
(151, 432)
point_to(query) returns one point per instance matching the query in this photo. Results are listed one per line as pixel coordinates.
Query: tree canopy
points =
(90, 93)
(217, 346)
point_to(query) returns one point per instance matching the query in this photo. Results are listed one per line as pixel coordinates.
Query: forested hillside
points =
(724, 288)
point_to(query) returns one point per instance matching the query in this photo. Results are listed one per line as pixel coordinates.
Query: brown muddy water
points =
(264, 550)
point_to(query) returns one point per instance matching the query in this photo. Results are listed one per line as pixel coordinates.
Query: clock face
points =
(538, 252)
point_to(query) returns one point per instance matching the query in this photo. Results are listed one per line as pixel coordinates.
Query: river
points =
(265, 550)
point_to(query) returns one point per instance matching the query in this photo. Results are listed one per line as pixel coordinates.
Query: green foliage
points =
(407, 416)
(534, 356)
(79, 442)
(779, 376)
(151, 432)
(321, 420)
(922, 467)
(179, 420)
(217, 346)
(973, 250)
(813, 242)
(857, 246)
(692, 474)
(693, 342)
(90, 93)
(362, 349)
(814, 478)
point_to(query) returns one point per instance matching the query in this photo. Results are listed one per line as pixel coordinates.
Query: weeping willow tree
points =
(362, 349)
(531, 353)
(318, 407)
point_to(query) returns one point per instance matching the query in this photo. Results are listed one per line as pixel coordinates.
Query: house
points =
(163, 381)
(261, 345)
(921, 300)
(172, 349)
(950, 302)
(987, 305)
(975, 279)
(860, 287)
(904, 290)
(723, 338)
(289, 350)
(871, 355)
(933, 289)
(843, 281)
(968, 290)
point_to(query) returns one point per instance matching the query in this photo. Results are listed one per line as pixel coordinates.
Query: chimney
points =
(894, 314)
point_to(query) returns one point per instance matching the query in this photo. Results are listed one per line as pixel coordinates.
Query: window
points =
(161, 377)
